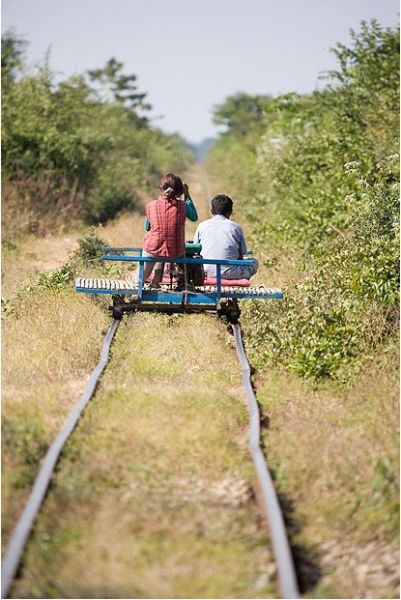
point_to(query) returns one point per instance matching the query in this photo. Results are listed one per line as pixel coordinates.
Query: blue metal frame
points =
(175, 297)
(192, 297)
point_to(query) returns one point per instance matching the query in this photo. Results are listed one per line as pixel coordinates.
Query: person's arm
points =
(146, 224)
(242, 244)
(190, 209)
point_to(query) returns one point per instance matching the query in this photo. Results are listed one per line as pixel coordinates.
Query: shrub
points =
(113, 192)
(327, 165)
(89, 250)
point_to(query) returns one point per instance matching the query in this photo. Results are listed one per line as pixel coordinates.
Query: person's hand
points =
(186, 189)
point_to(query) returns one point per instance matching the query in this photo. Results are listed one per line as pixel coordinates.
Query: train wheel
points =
(233, 315)
(117, 312)
(233, 311)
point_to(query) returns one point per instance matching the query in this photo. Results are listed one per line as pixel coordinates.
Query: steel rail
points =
(23, 528)
(281, 548)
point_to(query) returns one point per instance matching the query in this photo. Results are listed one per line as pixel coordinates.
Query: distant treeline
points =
(317, 177)
(82, 147)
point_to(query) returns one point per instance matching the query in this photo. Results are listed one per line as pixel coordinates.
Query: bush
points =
(71, 149)
(327, 165)
(89, 250)
(113, 192)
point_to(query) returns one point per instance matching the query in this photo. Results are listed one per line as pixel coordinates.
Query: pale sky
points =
(189, 55)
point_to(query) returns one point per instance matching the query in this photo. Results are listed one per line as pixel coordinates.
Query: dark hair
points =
(171, 185)
(222, 205)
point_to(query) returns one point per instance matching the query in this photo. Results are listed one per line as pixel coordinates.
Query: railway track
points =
(269, 502)
(24, 526)
(270, 505)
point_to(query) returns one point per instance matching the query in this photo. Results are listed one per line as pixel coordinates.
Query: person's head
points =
(222, 205)
(171, 186)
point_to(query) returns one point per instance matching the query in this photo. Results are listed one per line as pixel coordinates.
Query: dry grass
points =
(334, 450)
(24, 258)
(126, 230)
(153, 496)
(199, 195)
(49, 347)
(23, 261)
(335, 455)
(48, 352)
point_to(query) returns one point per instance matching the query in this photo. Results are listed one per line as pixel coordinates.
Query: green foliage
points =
(385, 481)
(89, 249)
(114, 191)
(121, 87)
(324, 183)
(10, 247)
(12, 52)
(7, 308)
(240, 112)
(56, 280)
(50, 147)
(80, 147)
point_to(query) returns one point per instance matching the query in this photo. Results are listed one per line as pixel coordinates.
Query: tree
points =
(122, 88)
(12, 52)
(240, 112)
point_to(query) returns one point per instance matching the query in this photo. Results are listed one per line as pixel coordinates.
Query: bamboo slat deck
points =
(124, 285)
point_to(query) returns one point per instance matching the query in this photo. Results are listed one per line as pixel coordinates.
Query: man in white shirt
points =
(224, 239)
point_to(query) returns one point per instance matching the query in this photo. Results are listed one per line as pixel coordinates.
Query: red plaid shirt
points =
(167, 227)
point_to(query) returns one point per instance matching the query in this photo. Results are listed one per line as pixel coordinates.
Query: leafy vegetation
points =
(240, 112)
(322, 172)
(81, 147)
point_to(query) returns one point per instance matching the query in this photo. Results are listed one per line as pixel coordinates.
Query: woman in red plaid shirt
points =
(165, 223)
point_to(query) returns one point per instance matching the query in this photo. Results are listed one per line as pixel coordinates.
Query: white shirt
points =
(220, 238)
